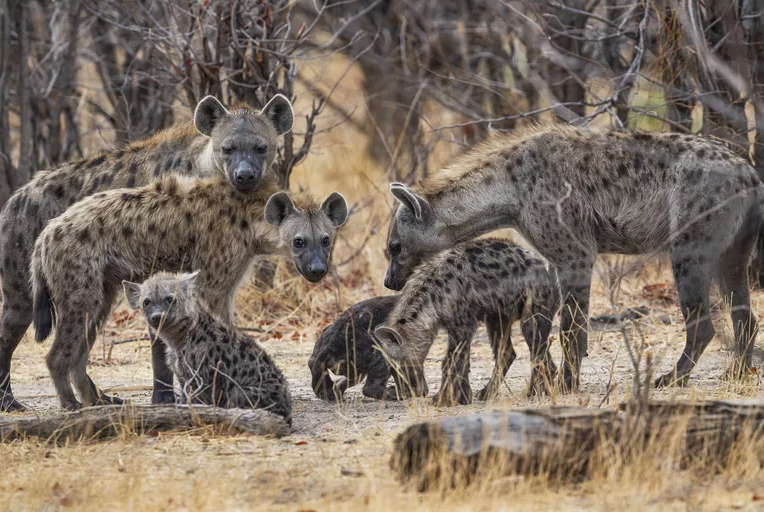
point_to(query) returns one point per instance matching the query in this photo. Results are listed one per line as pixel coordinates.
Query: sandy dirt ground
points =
(338, 455)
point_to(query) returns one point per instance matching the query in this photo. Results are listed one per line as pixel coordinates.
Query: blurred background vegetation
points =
(80, 75)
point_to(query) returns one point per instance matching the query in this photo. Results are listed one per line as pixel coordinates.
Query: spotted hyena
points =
(347, 348)
(174, 224)
(487, 278)
(239, 144)
(214, 364)
(575, 192)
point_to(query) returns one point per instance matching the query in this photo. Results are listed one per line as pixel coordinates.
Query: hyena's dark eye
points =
(298, 242)
(261, 149)
(326, 241)
(395, 249)
(227, 150)
(169, 299)
(146, 302)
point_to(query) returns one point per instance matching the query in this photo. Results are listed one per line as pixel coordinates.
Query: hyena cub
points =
(214, 364)
(178, 224)
(347, 348)
(488, 278)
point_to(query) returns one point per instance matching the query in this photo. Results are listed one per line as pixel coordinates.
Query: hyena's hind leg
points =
(14, 322)
(65, 353)
(89, 392)
(692, 269)
(733, 285)
(503, 354)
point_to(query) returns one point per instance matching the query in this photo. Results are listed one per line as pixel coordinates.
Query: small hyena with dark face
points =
(213, 364)
(177, 224)
(575, 192)
(347, 348)
(489, 278)
(239, 145)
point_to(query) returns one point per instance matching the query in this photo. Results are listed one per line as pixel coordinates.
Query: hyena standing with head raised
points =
(239, 144)
(489, 279)
(177, 224)
(576, 192)
(213, 363)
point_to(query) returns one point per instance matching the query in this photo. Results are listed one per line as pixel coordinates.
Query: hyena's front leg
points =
(575, 286)
(537, 324)
(503, 354)
(455, 381)
(163, 377)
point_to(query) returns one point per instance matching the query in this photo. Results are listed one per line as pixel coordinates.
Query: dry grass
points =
(338, 456)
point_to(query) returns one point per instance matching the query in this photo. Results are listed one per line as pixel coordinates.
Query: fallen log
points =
(113, 420)
(568, 442)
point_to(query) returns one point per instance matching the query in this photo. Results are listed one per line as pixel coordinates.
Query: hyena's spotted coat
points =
(239, 144)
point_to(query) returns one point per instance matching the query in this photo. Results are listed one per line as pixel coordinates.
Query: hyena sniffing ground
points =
(239, 144)
(488, 279)
(176, 224)
(574, 192)
(347, 348)
(214, 364)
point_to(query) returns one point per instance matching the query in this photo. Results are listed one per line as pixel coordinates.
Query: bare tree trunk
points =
(6, 164)
(24, 169)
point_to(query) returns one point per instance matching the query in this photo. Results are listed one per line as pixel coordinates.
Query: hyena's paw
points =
(105, 399)
(671, 379)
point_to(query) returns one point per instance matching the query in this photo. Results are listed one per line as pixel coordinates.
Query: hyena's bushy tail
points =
(44, 314)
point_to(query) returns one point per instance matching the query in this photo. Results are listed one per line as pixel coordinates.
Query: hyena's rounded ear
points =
(188, 281)
(412, 201)
(336, 208)
(279, 208)
(279, 111)
(132, 293)
(207, 115)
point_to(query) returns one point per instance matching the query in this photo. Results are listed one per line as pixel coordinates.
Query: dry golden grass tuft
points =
(338, 455)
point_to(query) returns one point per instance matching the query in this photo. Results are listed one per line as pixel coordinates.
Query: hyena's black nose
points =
(155, 319)
(316, 271)
(245, 175)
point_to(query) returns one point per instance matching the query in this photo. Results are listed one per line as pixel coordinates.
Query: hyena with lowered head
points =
(239, 144)
(347, 348)
(575, 192)
(175, 224)
(214, 364)
(488, 279)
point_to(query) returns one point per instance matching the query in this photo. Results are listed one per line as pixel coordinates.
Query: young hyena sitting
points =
(81, 257)
(214, 365)
(239, 145)
(489, 278)
(574, 192)
(347, 348)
